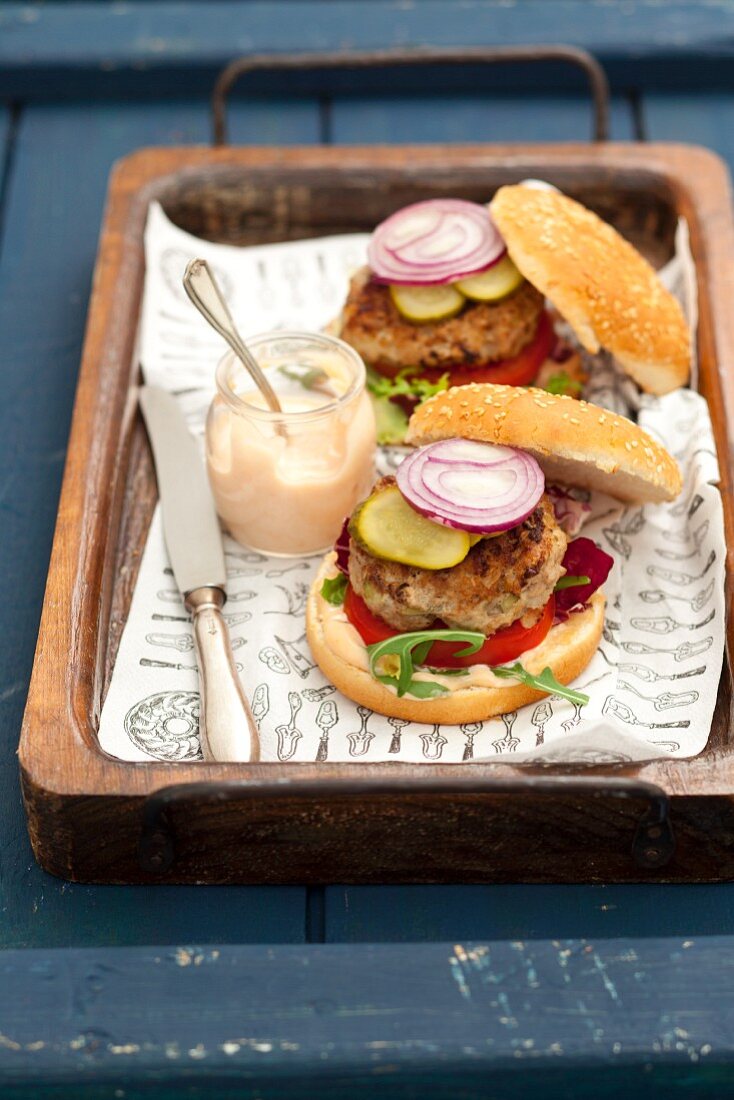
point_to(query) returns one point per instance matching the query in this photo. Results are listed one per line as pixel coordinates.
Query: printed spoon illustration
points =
(626, 714)
(649, 675)
(666, 625)
(360, 741)
(398, 725)
(681, 652)
(667, 700)
(541, 715)
(698, 536)
(470, 730)
(676, 577)
(260, 702)
(326, 719)
(696, 603)
(290, 735)
(252, 557)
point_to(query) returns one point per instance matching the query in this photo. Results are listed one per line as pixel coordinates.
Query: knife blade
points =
(227, 728)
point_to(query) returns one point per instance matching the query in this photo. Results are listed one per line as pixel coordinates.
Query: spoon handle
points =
(201, 287)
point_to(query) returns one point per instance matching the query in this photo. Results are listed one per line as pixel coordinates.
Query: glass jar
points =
(283, 482)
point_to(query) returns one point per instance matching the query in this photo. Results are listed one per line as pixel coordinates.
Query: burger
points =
(460, 588)
(456, 293)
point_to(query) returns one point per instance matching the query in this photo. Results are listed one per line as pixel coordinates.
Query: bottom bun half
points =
(342, 657)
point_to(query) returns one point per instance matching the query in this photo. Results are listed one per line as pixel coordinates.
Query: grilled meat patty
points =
(502, 579)
(482, 333)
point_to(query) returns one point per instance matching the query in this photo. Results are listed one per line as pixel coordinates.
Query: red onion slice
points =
(477, 487)
(435, 242)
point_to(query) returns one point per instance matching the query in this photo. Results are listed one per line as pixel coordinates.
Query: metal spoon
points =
(202, 289)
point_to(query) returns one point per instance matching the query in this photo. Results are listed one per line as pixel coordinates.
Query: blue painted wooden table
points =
(89, 1008)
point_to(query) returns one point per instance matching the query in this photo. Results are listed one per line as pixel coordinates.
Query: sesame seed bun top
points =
(601, 285)
(575, 443)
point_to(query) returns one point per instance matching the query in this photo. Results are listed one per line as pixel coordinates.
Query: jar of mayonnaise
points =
(284, 482)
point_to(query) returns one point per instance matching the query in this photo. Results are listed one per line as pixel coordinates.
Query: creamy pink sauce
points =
(287, 490)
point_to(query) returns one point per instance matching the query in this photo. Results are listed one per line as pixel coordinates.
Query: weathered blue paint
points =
(567, 1018)
(115, 48)
(391, 120)
(705, 119)
(405, 914)
(54, 201)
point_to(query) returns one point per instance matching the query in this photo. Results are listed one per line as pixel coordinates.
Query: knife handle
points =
(227, 728)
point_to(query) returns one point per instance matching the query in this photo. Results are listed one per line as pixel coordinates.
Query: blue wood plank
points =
(407, 914)
(54, 201)
(64, 48)
(702, 119)
(488, 118)
(461, 1020)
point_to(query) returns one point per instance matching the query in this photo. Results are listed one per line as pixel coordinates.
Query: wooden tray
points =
(95, 818)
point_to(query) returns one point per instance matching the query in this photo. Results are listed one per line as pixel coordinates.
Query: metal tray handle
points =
(380, 59)
(653, 845)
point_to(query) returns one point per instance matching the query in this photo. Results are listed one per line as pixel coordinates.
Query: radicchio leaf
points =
(342, 549)
(570, 513)
(583, 559)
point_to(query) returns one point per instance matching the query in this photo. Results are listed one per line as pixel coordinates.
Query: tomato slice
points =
(503, 646)
(521, 370)
(506, 645)
(370, 627)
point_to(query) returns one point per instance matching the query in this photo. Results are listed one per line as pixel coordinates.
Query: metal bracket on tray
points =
(652, 847)
(398, 58)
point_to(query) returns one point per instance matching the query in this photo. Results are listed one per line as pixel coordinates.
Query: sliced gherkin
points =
(387, 527)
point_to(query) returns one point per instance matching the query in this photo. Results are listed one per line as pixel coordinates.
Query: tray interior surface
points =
(242, 206)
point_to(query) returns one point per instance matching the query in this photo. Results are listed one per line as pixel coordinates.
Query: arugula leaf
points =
(545, 682)
(334, 589)
(562, 383)
(570, 582)
(412, 649)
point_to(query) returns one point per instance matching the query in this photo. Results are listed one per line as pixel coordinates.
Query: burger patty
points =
(502, 579)
(483, 332)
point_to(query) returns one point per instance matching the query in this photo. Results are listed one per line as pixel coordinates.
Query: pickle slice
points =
(387, 527)
(427, 303)
(496, 282)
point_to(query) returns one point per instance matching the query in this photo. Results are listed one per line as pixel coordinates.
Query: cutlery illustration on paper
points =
(398, 725)
(626, 714)
(541, 716)
(361, 739)
(470, 730)
(507, 743)
(289, 736)
(327, 717)
(682, 652)
(260, 705)
(433, 743)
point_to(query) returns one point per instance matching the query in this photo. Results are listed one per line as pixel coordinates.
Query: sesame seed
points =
(574, 420)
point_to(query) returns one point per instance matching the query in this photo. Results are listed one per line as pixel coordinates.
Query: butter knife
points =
(227, 728)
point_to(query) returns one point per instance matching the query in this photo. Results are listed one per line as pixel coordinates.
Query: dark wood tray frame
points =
(95, 818)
